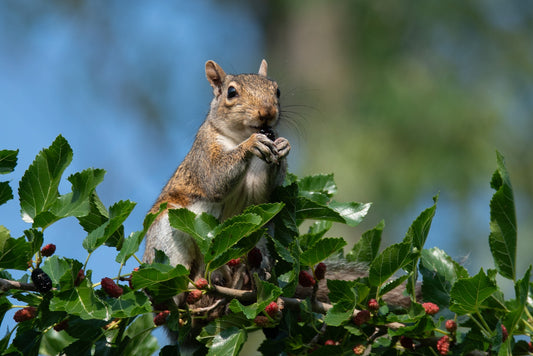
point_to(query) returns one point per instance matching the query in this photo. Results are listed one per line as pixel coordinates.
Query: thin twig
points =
(6, 284)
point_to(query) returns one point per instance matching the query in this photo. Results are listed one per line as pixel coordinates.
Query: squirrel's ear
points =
(263, 68)
(215, 74)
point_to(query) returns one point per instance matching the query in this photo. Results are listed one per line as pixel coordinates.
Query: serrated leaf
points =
(132, 243)
(467, 294)
(367, 248)
(35, 237)
(14, 253)
(199, 226)
(76, 203)
(162, 281)
(130, 305)
(392, 259)
(266, 293)
(503, 236)
(338, 314)
(80, 301)
(317, 187)
(352, 212)
(6, 193)
(517, 307)
(390, 285)
(118, 214)
(97, 215)
(62, 271)
(439, 273)
(265, 211)
(419, 229)
(228, 342)
(230, 232)
(38, 186)
(348, 213)
(8, 161)
(321, 250)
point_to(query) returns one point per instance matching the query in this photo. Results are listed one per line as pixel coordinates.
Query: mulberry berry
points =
(268, 132)
(234, 262)
(362, 317)
(61, 326)
(451, 325)
(111, 288)
(443, 345)
(320, 271)
(79, 278)
(431, 308)
(48, 250)
(272, 309)
(306, 279)
(201, 283)
(161, 318)
(42, 281)
(373, 304)
(194, 296)
(255, 257)
(261, 321)
(25, 314)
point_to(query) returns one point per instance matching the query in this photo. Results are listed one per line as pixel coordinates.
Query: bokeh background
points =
(400, 100)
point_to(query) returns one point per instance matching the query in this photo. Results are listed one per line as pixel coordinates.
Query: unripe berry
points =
(451, 325)
(261, 321)
(234, 262)
(505, 334)
(255, 257)
(42, 281)
(362, 317)
(201, 283)
(272, 309)
(25, 314)
(194, 296)
(161, 318)
(79, 278)
(443, 345)
(373, 304)
(306, 279)
(359, 349)
(48, 250)
(431, 308)
(320, 271)
(111, 288)
(329, 342)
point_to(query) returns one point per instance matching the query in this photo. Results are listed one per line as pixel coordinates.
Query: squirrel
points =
(236, 160)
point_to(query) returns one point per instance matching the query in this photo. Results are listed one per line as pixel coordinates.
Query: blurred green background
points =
(400, 100)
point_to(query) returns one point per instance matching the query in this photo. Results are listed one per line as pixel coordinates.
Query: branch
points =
(241, 295)
(6, 284)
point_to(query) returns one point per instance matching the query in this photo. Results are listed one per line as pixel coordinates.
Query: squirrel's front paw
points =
(264, 148)
(283, 146)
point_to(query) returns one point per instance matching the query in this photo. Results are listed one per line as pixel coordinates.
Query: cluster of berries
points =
(306, 279)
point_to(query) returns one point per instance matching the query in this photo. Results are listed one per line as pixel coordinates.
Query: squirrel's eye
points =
(278, 93)
(232, 92)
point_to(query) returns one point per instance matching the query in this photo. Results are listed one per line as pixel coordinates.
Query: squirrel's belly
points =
(254, 188)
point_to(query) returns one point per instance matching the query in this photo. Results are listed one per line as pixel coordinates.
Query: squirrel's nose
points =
(267, 113)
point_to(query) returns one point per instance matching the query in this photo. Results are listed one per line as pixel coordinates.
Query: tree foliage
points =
(458, 313)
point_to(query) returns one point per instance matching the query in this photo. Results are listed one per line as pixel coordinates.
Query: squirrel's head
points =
(243, 103)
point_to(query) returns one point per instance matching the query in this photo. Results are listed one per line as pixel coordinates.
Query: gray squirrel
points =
(236, 160)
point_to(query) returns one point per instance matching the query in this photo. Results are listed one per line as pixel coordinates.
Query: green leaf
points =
(38, 186)
(439, 273)
(8, 161)
(242, 247)
(230, 232)
(6, 193)
(348, 213)
(502, 238)
(228, 342)
(162, 281)
(118, 214)
(516, 308)
(132, 243)
(367, 248)
(200, 226)
(14, 253)
(141, 341)
(265, 211)
(130, 305)
(419, 229)
(344, 296)
(321, 250)
(62, 271)
(467, 294)
(97, 215)
(266, 293)
(392, 259)
(80, 301)
(317, 188)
